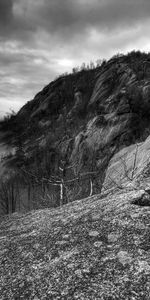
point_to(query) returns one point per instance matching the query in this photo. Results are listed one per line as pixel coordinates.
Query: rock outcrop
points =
(129, 168)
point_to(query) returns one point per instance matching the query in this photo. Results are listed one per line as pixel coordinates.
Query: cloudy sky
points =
(40, 39)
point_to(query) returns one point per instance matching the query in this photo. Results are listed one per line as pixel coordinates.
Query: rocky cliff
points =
(67, 135)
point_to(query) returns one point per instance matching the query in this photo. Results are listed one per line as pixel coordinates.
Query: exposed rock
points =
(124, 257)
(79, 273)
(98, 244)
(112, 238)
(63, 242)
(93, 233)
(143, 266)
(129, 167)
(142, 201)
(66, 236)
(96, 217)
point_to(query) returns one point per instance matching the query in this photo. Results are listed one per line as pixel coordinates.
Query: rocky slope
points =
(76, 123)
(95, 248)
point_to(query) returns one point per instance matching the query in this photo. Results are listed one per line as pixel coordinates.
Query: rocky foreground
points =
(97, 248)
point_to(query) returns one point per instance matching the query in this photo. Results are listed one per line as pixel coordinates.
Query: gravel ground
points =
(97, 248)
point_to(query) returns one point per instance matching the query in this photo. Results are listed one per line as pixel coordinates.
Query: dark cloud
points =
(67, 18)
(70, 14)
(41, 38)
(70, 17)
(6, 17)
(5, 11)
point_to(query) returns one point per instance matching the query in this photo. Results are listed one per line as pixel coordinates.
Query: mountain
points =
(61, 144)
(75, 187)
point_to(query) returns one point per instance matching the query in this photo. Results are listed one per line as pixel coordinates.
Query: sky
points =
(41, 39)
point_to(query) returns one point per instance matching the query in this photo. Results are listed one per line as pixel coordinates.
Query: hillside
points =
(95, 248)
(75, 187)
(61, 142)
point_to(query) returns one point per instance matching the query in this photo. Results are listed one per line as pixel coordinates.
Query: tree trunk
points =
(29, 196)
(13, 198)
(91, 187)
(61, 194)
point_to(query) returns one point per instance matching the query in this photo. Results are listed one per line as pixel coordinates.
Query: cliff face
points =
(77, 123)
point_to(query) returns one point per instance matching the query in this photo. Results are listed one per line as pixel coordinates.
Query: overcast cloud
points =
(40, 39)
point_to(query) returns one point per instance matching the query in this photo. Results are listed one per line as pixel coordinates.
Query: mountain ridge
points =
(76, 123)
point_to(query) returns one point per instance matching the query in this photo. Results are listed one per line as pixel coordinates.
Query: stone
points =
(112, 237)
(95, 217)
(78, 273)
(98, 244)
(61, 243)
(70, 266)
(65, 236)
(36, 246)
(143, 266)
(93, 233)
(124, 257)
(86, 271)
